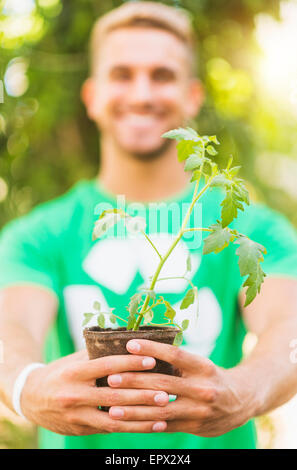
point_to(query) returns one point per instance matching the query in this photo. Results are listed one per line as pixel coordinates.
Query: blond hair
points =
(146, 14)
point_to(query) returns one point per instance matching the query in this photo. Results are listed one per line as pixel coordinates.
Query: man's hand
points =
(210, 400)
(63, 398)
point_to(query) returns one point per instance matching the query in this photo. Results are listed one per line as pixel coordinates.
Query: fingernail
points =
(148, 362)
(159, 427)
(133, 346)
(117, 412)
(161, 398)
(115, 379)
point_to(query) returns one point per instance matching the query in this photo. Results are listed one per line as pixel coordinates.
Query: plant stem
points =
(152, 244)
(160, 324)
(120, 318)
(163, 259)
(204, 189)
(150, 307)
(201, 229)
(176, 277)
(154, 280)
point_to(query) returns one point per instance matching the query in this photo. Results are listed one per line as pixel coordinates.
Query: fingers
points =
(105, 396)
(198, 390)
(172, 354)
(107, 365)
(170, 384)
(101, 421)
(178, 410)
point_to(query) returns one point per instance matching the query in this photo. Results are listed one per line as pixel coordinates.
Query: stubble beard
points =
(152, 155)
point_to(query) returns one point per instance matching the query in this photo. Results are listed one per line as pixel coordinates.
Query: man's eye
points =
(121, 75)
(163, 75)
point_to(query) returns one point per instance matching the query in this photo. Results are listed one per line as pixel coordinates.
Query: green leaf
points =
(196, 175)
(189, 263)
(221, 180)
(134, 304)
(213, 138)
(188, 299)
(112, 319)
(88, 317)
(185, 148)
(250, 255)
(193, 162)
(211, 150)
(170, 312)
(229, 209)
(101, 320)
(185, 324)
(131, 322)
(233, 171)
(230, 206)
(217, 240)
(181, 134)
(148, 317)
(254, 282)
(160, 300)
(107, 219)
(178, 339)
(151, 293)
(114, 211)
(97, 306)
(241, 191)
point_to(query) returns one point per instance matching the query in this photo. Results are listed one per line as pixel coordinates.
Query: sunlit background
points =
(248, 64)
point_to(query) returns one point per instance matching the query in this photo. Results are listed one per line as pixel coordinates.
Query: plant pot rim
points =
(113, 333)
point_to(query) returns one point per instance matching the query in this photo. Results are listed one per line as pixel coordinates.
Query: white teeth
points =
(140, 119)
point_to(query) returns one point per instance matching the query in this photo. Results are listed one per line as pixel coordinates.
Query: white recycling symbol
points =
(113, 263)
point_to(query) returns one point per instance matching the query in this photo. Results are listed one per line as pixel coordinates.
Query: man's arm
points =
(272, 316)
(62, 396)
(26, 313)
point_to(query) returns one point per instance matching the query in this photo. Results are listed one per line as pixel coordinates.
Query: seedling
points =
(195, 151)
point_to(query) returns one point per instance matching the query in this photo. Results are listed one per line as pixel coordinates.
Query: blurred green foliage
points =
(13, 436)
(46, 141)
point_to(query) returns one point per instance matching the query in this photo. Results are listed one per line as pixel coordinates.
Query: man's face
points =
(141, 88)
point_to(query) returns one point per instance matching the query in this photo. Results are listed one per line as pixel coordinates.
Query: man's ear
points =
(195, 98)
(87, 95)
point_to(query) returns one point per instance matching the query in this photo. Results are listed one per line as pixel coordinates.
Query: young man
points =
(141, 85)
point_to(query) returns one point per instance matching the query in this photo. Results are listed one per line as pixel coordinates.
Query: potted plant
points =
(195, 151)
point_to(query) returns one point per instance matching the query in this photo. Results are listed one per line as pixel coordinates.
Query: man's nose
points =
(141, 92)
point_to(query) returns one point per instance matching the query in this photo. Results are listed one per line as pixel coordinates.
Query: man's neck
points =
(139, 180)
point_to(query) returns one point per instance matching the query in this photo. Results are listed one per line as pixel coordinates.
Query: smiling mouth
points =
(140, 119)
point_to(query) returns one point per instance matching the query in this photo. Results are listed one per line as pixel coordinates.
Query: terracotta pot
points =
(102, 342)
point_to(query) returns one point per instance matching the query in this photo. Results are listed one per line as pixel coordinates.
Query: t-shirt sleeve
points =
(279, 237)
(27, 253)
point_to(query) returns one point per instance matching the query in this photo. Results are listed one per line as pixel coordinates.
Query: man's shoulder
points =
(57, 213)
(258, 216)
(76, 195)
(274, 231)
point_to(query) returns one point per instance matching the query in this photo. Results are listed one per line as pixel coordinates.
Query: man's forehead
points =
(146, 47)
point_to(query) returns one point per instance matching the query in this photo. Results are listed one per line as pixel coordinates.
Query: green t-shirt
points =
(52, 246)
